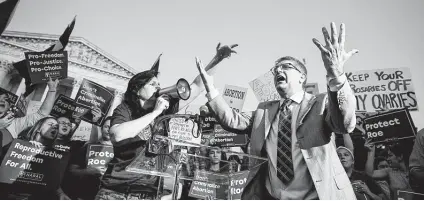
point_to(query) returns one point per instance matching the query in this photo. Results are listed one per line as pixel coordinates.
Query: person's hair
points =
(131, 98)
(109, 118)
(398, 151)
(378, 159)
(221, 163)
(32, 133)
(234, 157)
(73, 128)
(298, 64)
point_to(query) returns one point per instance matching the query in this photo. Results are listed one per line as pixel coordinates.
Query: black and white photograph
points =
(211, 100)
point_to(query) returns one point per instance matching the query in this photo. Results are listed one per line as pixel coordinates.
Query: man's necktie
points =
(284, 151)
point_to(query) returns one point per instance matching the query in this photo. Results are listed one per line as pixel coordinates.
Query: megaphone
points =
(180, 90)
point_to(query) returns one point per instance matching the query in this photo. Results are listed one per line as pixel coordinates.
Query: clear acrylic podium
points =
(199, 171)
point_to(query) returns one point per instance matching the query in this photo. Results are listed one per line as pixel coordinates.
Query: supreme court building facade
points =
(85, 60)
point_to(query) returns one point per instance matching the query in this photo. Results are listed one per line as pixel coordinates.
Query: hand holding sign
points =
(97, 114)
(370, 146)
(333, 54)
(52, 84)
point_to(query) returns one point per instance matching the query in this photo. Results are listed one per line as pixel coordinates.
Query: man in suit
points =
(294, 133)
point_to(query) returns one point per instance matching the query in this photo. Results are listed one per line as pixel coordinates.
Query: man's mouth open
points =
(281, 78)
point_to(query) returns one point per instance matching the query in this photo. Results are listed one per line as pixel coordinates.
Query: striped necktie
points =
(284, 151)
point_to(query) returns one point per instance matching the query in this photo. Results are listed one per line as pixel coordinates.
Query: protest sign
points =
(42, 65)
(264, 89)
(31, 168)
(396, 124)
(383, 88)
(227, 139)
(209, 185)
(407, 195)
(94, 95)
(8, 96)
(67, 107)
(98, 155)
(186, 130)
(238, 181)
(21, 106)
(208, 123)
(234, 96)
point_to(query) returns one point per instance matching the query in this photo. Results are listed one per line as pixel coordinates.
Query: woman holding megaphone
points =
(131, 127)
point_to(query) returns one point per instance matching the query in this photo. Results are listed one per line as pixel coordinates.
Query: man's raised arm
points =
(341, 100)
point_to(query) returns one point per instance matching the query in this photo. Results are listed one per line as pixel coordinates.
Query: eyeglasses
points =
(64, 123)
(284, 66)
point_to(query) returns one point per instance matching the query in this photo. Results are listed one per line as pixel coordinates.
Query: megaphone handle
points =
(203, 79)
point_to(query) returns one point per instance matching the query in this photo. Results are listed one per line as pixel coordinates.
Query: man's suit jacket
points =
(316, 118)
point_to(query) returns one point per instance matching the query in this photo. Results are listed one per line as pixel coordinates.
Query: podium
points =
(193, 170)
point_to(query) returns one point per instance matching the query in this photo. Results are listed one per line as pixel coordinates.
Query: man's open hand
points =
(333, 53)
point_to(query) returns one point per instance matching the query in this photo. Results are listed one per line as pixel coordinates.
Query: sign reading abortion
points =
(235, 96)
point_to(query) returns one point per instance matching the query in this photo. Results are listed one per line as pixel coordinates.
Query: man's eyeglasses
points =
(281, 67)
(66, 124)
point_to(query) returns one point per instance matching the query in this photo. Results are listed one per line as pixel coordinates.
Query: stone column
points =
(6, 69)
(76, 85)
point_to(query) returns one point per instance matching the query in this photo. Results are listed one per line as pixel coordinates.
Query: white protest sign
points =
(235, 96)
(181, 129)
(264, 89)
(383, 88)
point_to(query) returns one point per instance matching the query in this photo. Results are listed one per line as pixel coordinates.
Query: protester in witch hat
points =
(364, 186)
(131, 127)
(396, 174)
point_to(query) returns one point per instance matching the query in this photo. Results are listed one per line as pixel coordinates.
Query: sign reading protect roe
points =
(396, 124)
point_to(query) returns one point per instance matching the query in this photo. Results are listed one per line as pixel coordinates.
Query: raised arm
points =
(341, 100)
(48, 102)
(197, 85)
(240, 123)
(369, 164)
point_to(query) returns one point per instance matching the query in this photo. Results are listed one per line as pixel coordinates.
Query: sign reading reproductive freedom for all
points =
(264, 89)
(385, 126)
(31, 168)
(185, 130)
(235, 96)
(383, 89)
(42, 65)
(98, 155)
(94, 95)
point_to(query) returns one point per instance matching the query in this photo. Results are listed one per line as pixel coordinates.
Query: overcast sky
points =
(388, 33)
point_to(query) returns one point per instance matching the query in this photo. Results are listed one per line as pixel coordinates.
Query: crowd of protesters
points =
(130, 129)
